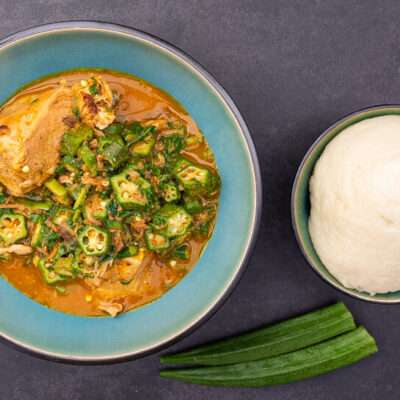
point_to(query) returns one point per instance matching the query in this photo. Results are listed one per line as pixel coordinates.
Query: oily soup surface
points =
(355, 205)
(128, 206)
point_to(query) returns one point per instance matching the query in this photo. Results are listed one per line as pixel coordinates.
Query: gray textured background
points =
(293, 68)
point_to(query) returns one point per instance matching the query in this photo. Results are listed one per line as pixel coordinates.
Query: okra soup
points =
(109, 192)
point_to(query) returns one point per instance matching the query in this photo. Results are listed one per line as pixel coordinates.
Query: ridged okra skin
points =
(284, 337)
(315, 360)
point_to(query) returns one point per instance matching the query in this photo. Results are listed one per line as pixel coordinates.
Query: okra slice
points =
(172, 221)
(63, 217)
(12, 227)
(131, 190)
(96, 208)
(72, 139)
(113, 149)
(170, 192)
(94, 241)
(144, 147)
(49, 275)
(155, 241)
(182, 252)
(63, 266)
(193, 205)
(192, 177)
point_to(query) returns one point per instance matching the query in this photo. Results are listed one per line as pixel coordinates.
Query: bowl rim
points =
(96, 25)
(295, 188)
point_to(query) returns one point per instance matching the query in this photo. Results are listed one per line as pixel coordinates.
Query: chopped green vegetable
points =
(129, 251)
(115, 154)
(60, 289)
(108, 139)
(172, 221)
(113, 224)
(173, 144)
(94, 241)
(63, 217)
(88, 158)
(135, 132)
(80, 200)
(170, 192)
(93, 89)
(50, 238)
(131, 190)
(114, 129)
(144, 147)
(193, 178)
(56, 188)
(182, 252)
(38, 234)
(193, 205)
(71, 164)
(112, 207)
(112, 148)
(73, 139)
(59, 191)
(202, 229)
(49, 275)
(321, 358)
(63, 266)
(34, 204)
(76, 216)
(96, 208)
(156, 242)
(12, 227)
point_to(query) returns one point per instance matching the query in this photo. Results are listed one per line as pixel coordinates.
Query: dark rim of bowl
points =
(183, 56)
(298, 235)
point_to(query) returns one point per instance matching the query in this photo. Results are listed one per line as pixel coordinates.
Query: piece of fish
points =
(31, 129)
(32, 126)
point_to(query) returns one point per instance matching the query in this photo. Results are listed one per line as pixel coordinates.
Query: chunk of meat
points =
(20, 249)
(129, 277)
(94, 99)
(111, 308)
(32, 128)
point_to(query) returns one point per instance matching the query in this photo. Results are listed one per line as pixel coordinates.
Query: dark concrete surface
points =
(293, 68)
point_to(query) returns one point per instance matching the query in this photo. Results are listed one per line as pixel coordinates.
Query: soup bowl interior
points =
(301, 201)
(50, 49)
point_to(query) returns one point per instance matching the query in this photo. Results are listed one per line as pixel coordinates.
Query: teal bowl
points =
(300, 203)
(48, 49)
